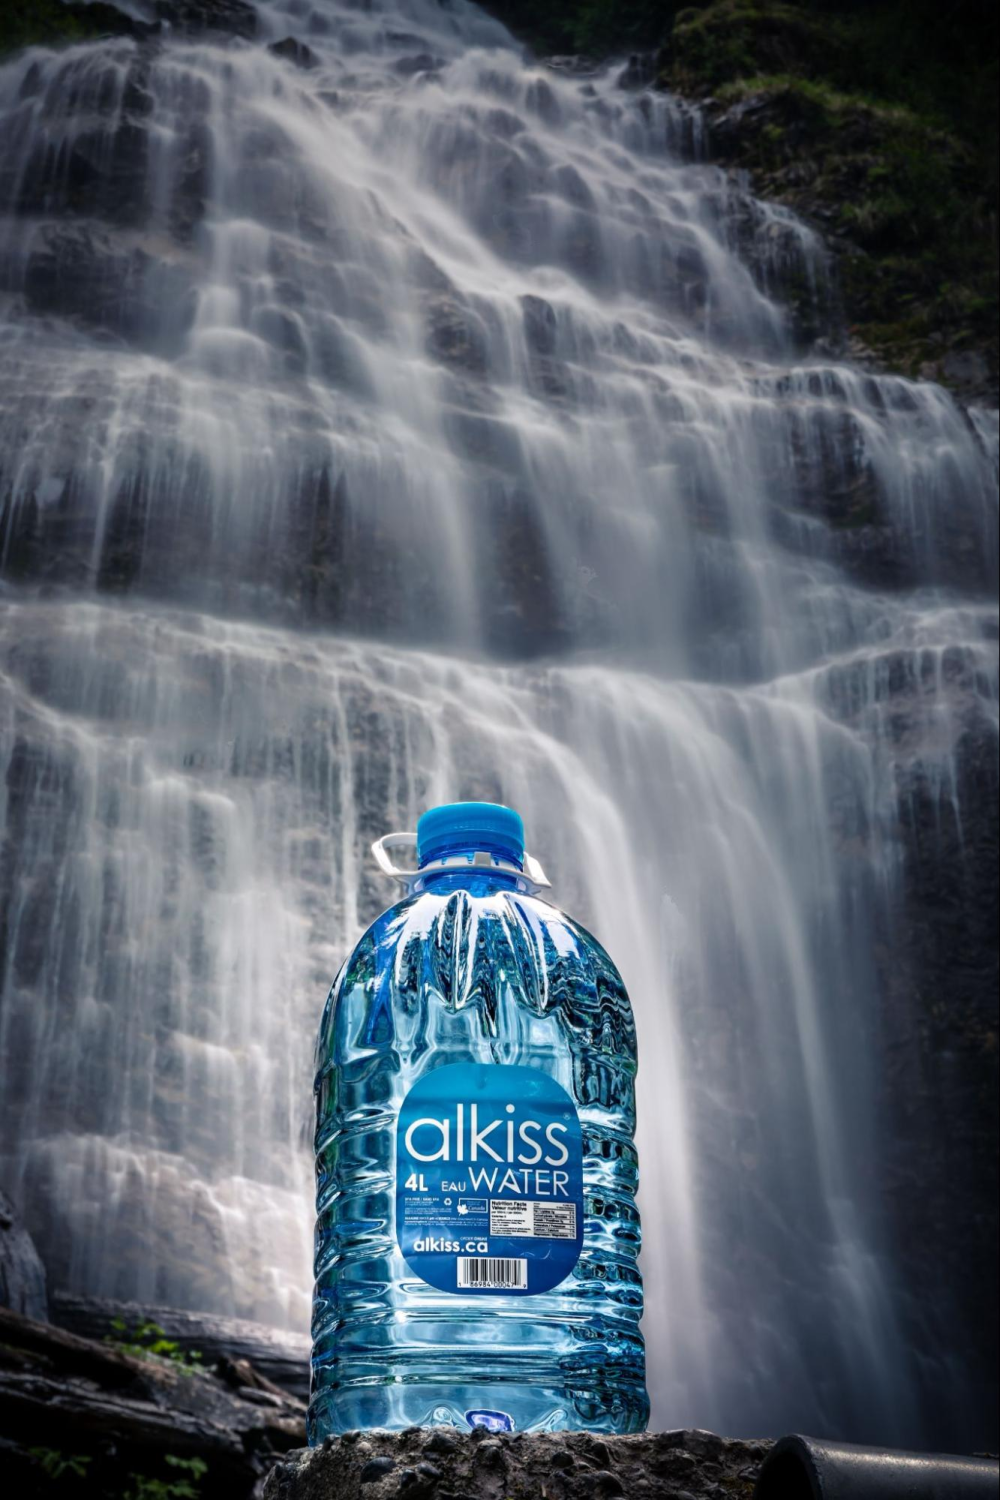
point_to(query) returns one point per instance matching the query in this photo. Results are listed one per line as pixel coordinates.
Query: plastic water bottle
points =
(477, 1232)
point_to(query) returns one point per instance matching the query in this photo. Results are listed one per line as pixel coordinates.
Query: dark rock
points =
(107, 18)
(419, 1483)
(560, 1466)
(105, 281)
(900, 276)
(573, 64)
(442, 1440)
(966, 368)
(240, 1375)
(22, 1275)
(936, 954)
(597, 1452)
(602, 1483)
(639, 72)
(539, 324)
(490, 1455)
(376, 1468)
(455, 334)
(294, 51)
(245, 1353)
(231, 17)
(74, 20)
(420, 62)
(102, 178)
(127, 1415)
(938, 963)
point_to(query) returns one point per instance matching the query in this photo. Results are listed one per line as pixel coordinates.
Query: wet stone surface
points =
(439, 1463)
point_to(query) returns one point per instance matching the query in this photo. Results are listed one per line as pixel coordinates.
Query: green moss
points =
(939, 61)
(146, 1338)
(899, 188)
(26, 23)
(880, 121)
(732, 39)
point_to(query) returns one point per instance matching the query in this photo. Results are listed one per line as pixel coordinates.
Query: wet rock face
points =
(230, 17)
(424, 1463)
(938, 963)
(822, 158)
(22, 1275)
(935, 1034)
(229, 315)
(829, 473)
(108, 282)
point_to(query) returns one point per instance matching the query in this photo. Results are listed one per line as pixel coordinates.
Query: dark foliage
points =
(875, 118)
(25, 23)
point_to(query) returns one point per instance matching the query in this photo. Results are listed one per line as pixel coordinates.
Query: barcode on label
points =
(496, 1273)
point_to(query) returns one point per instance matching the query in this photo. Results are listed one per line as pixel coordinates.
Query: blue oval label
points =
(489, 1180)
(494, 1421)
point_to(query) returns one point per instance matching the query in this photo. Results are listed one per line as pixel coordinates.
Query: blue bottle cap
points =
(470, 825)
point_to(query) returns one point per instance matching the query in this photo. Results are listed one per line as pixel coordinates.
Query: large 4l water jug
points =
(477, 1234)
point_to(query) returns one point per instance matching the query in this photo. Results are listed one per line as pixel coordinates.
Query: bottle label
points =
(489, 1180)
(493, 1421)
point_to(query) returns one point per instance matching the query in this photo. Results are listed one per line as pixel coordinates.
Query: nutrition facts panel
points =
(528, 1218)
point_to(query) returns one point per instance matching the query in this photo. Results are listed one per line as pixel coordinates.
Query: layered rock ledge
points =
(107, 1420)
(439, 1463)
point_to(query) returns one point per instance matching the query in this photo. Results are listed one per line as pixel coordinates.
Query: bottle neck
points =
(458, 865)
(480, 882)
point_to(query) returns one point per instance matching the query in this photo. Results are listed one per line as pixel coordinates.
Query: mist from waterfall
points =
(398, 420)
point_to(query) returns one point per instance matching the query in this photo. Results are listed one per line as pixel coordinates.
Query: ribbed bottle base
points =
(436, 1403)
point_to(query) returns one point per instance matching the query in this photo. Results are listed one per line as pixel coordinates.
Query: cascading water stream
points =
(390, 420)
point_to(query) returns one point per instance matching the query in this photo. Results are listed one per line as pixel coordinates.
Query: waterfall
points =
(392, 419)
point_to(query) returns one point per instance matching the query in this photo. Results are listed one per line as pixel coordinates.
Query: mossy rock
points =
(899, 200)
(874, 121)
(710, 46)
(26, 23)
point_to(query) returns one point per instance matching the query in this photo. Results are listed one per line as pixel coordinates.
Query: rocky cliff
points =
(876, 122)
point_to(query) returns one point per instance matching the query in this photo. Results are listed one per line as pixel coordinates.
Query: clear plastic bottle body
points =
(469, 969)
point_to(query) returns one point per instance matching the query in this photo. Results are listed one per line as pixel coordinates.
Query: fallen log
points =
(278, 1356)
(121, 1414)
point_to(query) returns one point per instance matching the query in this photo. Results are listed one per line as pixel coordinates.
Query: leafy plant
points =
(147, 1338)
(187, 1486)
(57, 1465)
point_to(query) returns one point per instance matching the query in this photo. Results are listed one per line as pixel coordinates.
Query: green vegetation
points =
(185, 1486)
(147, 1339)
(903, 197)
(24, 23)
(940, 60)
(182, 1483)
(875, 118)
(57, 1465)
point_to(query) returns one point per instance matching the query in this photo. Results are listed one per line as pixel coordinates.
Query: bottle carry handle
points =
(532, 878)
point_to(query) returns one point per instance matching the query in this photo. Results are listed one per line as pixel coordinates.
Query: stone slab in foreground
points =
(438, 1463)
